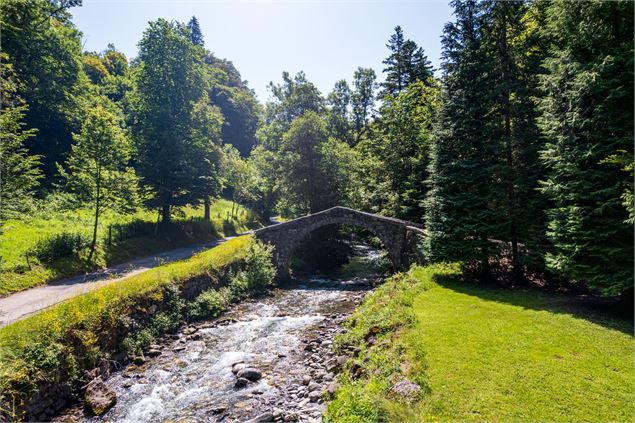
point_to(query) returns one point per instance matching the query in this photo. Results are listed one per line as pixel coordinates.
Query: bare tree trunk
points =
(165, 212)
(97, 204)
(206, 206)
(511, 194)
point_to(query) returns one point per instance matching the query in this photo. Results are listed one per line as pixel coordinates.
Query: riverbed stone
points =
(331, 388)
(313, 386)
(241, 382)
(153, 352)
(405, 389)
(250, 373)
(238, 367)
(314, 396)
(99, 398)
(261, 418)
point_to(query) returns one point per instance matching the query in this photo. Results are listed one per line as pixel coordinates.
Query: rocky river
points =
(265, 359)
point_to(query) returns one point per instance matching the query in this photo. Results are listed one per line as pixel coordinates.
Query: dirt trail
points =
(21, 304)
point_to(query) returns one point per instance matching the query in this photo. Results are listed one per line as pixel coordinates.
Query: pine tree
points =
(511, 46)
(406, 64)
(587, 120)
(458, 214)
(195, 32)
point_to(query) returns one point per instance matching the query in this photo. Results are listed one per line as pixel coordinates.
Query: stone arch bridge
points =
(399, 237)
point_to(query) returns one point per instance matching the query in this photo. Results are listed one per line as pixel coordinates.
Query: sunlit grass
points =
(19, 238)
(486, 354)
(56, 345)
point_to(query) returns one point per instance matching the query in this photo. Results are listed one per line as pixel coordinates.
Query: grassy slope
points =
(483, 354)
(20, 237)
(62, 341)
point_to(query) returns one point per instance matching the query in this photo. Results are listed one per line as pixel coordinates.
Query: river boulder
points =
(99, 398)
(250, 373)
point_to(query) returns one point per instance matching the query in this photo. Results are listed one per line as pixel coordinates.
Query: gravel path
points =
(21, 304)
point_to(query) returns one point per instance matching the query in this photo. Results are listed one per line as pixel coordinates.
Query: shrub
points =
(256, 274)
(210, 303)
(62, 245)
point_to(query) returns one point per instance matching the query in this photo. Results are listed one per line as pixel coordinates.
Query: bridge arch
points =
(399, 237)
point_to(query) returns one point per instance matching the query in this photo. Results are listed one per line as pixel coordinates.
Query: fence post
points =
(28, 263)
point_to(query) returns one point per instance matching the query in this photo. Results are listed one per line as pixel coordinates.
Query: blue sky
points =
(328, 40)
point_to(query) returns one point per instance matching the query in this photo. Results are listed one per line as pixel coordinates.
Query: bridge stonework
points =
(399, 237)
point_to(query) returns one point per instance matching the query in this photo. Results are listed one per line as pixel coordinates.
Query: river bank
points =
(286, 337)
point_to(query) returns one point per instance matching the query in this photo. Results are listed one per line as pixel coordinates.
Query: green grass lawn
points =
(19, 237)
(486, 354)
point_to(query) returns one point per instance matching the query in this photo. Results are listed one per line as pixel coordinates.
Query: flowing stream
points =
(286, 335)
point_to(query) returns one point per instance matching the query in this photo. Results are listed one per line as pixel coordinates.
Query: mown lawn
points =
(486, 354)
(19, 238)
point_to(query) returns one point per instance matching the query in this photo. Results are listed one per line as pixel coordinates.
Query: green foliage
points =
(19, 173)
(62, 245)
(237, 102)
(590, 64)
(406, 64)
(401, 141)
(44, 49)
(173, 118)
(210, 303)
(255, 275)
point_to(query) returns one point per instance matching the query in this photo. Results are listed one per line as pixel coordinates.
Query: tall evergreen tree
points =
(195, 32)
(406, 64)
(458, 214)
(587, 119)
(511, 46)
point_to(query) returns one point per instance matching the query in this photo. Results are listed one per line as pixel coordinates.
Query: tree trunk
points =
(206, 206)
(165, 212)
(97, 204)
(511, 194)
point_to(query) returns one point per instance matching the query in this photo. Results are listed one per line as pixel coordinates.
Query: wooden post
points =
(28, 263)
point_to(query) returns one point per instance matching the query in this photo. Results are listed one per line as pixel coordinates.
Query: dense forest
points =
(516, 156)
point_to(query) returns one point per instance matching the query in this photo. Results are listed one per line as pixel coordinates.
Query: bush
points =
(210, 303)
(63, 245)
(256, 274)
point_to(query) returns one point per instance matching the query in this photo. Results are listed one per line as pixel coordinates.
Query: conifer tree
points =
(195, 32)
(458, 214)
(587, 120)
(406, 64)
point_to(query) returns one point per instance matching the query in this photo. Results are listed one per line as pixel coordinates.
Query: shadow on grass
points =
(601, 311)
